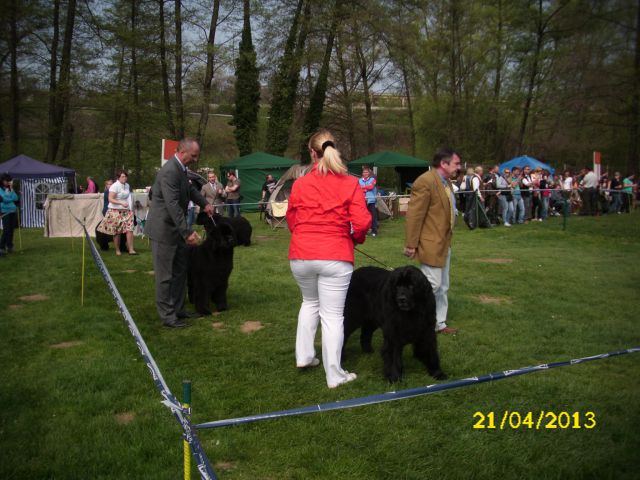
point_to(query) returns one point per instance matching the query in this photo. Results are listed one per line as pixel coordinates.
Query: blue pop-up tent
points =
(525, 161)
(37, 179)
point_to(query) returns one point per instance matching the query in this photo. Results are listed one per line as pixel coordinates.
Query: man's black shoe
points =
(189, 315)
(176, 324)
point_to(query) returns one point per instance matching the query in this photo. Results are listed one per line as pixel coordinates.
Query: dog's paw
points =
(439, 375)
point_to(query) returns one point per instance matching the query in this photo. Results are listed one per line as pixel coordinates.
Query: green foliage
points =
(78, 402)
(284, 89)
(247, 92)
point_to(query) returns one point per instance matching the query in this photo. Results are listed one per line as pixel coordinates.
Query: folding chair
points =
(276, 214)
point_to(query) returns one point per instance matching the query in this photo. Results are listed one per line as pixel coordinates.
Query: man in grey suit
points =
(166, 226)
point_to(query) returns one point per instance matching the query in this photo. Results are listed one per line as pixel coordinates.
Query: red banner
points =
(169, 147)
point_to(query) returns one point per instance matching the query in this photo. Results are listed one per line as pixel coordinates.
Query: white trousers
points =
(439, 280)
(323, 284)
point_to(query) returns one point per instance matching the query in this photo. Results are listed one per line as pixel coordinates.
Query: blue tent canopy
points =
(525, 161)
(26, 167)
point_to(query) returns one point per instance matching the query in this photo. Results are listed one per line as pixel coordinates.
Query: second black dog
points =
(210, 265)
(402, 304)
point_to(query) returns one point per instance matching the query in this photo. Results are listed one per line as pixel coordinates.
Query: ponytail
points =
(329, 160)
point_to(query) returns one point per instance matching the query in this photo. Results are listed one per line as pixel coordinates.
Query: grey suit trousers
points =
(170, 264)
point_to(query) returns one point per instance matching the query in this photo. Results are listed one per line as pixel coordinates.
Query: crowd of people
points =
(521, 195)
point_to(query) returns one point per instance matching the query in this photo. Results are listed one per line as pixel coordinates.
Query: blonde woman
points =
(327, 216)
(119, 218)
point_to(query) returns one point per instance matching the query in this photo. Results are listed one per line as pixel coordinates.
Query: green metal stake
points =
(186, 402)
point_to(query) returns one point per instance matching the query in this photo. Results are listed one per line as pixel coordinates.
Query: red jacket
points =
(322, 213)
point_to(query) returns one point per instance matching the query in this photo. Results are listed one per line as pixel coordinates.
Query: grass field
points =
(77, 400)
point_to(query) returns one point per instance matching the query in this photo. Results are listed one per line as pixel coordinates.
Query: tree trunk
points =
(634, 127)
(285, 85)
(532, 78)
(405, 78)
(15, 89)
(208, 76)
(137, 162)
(348, 106)
(63, 90)
(316, 104)
(53, 84)
(165, 74)
(119, 113)
(453, 71)
(178, 73)
(495, 121)
(364, 74)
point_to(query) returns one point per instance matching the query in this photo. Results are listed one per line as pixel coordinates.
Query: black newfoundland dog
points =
(402, 304)
(241, 227)
(210, 265)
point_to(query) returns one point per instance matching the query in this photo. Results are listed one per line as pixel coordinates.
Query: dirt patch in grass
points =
(248, 327)
(70, 344)
(14, 307)
(218, 325)
(495, 260)
(225, 466)
(124, 418)
(129, 271)
(264, 237)
(151, 272)
(488, 300)
(38, 297)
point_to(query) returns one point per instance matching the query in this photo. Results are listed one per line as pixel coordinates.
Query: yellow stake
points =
(187, 454)
(82, 281)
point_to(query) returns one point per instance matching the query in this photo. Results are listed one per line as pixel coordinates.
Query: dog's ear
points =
(203, 219)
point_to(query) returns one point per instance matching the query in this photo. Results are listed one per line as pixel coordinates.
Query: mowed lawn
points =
(77, 401)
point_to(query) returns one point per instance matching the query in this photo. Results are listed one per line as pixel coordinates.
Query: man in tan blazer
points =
(429, 228)
(213, 192)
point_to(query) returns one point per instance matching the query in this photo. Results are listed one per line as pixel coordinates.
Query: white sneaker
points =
(507, 224)
(314, 363)
(349, 378)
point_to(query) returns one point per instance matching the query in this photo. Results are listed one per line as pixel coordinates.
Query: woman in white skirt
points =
(119, 217)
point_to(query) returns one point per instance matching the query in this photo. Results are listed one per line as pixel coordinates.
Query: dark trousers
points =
(170, 268)
(233, 207)
(8, 226)
(590, 199)
(374, 217)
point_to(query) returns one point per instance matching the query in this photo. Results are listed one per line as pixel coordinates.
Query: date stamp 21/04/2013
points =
(542, 420)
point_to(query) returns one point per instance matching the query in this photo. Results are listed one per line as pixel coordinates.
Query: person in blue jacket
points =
(368, 186)
(8, 209)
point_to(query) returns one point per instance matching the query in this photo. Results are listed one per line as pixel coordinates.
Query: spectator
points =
(368, 186)
(327, 215)
(526, 184)
(518, 203)
(268, 187)
(545, 194)
(105, 196)
(213, 192)
(119, 218)
(8, 210)
(91, 186)
(615, 187)
(504, 197)
(627, 193)
(536, 195)
(589, 184)
(233, 194)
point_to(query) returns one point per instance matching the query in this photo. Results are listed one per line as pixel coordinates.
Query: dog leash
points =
(374, 259)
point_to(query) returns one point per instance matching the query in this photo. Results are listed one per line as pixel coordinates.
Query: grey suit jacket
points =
(171, 192)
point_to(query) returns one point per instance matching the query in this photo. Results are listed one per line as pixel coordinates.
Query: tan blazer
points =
(428, 223)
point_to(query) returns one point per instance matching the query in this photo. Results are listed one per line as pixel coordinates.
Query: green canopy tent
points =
(408, 168)
(252, 170)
